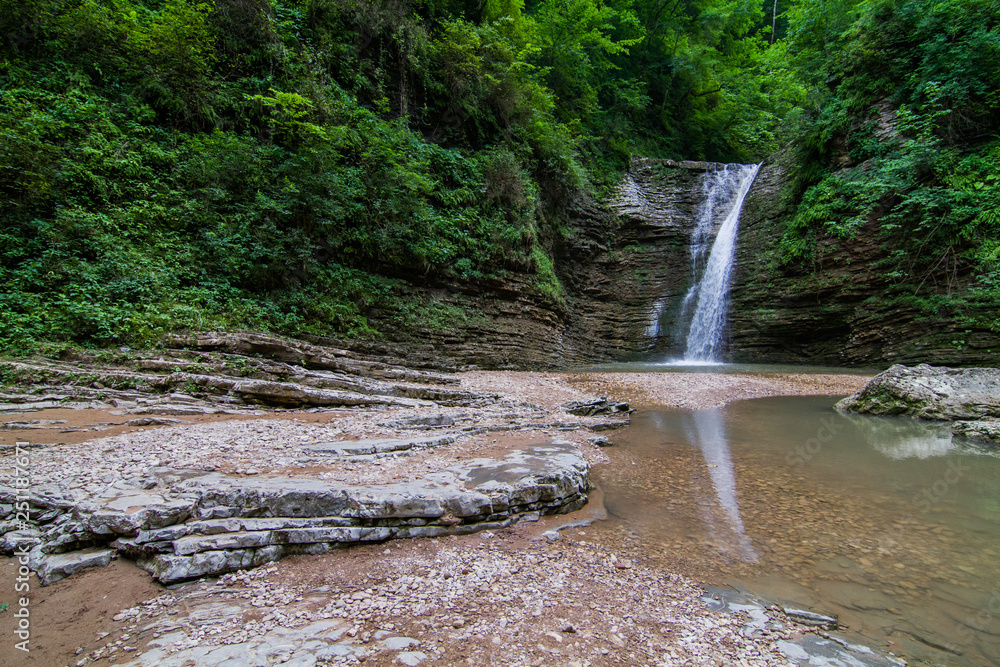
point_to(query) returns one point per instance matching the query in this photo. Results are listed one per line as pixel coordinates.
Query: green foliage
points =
(281, 164)
(431, 314)
(259, 164)
(548, 281)
(576, 41)
(899, 148)
(703, 82)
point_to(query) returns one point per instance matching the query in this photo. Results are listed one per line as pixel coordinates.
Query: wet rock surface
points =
(626, 261)
(181, 523)
(982, 431)
(784, 625)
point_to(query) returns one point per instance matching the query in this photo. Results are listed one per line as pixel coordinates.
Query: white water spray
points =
(711, 292)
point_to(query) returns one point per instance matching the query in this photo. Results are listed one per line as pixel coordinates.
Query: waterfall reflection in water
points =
(709, 435)
(887, 523)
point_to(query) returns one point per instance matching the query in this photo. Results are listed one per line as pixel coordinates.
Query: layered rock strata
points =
(841, 307)
(625, 267)
(202, 499)
(626, 264)
(216, 372)
(620, 263)
(181, 524)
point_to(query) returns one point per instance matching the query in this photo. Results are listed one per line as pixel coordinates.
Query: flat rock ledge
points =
(181, 524)
(230, 373)
(985, 431)
(968, 397)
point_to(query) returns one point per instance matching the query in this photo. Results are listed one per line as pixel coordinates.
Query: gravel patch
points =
(278, 446)
(699, 391)
(480, 600)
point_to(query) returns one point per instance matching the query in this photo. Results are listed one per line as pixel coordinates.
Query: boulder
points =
(596, 406)
(930, 392)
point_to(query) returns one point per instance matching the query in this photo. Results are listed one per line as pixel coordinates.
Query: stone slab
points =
(378, 446)
(59, 566)
(200, 523)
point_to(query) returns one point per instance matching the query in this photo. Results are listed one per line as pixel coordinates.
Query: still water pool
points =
(888, 523)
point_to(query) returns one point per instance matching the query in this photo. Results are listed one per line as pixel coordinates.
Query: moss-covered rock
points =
(930, 392)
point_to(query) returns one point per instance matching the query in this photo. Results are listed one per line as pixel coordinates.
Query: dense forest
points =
(287, 165)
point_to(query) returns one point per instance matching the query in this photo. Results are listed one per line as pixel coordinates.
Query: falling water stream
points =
(725, 192)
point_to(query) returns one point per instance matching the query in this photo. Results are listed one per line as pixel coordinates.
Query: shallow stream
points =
(885, 522)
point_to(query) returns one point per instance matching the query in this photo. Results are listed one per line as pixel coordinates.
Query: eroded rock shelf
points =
(201, 499)
(182, 524)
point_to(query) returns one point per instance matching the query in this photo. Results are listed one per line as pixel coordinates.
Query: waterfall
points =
(724, 194)
(653, 329)
(717, 190)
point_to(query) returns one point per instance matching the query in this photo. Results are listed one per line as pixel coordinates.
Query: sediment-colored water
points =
(885, 522)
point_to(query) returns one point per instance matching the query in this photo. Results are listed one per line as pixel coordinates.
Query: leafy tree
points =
(283, 163)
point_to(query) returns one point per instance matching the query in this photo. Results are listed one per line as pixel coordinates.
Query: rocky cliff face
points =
(627, 265)
(839, 311)
(624, 260)
(618, 261)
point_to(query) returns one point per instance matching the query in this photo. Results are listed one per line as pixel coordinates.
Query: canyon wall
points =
(620, 260)
(616, 260)
(841, 310)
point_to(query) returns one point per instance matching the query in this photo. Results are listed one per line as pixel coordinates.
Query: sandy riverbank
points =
(508, 598)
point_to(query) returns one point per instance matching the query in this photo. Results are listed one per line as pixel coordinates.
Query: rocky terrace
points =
(420, 458)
